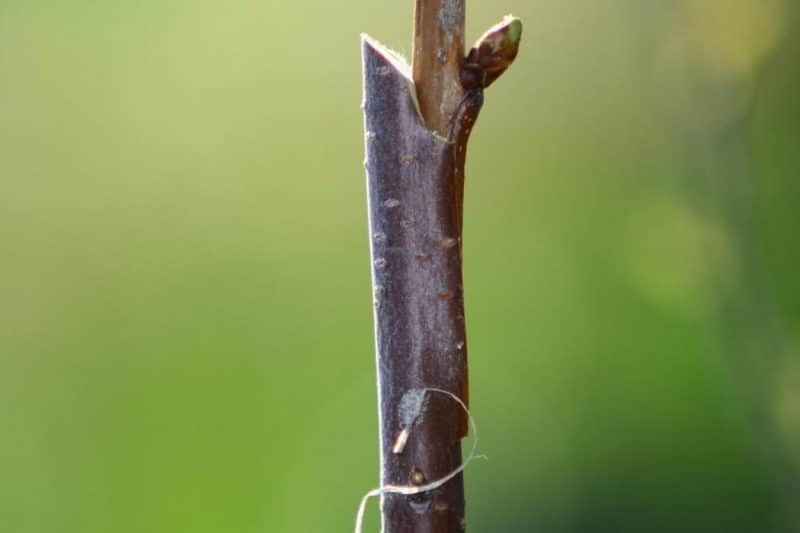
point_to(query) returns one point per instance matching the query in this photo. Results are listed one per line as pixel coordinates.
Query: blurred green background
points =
(185, 310)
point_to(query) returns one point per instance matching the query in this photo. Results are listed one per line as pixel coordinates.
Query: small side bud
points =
(493, 53)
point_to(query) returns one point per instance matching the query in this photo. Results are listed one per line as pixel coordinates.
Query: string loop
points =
(433, 485)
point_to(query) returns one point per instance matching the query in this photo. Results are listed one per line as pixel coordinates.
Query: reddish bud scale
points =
(492, 54)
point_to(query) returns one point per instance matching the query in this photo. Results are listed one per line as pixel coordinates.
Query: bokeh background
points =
(185, 310)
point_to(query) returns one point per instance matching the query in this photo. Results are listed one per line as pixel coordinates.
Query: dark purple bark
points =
(415, 219)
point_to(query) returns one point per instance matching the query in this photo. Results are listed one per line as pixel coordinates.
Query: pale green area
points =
(185, 310)
(514, 28)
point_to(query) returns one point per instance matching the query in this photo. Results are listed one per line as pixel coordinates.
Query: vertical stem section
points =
(436, 60)
(415, 180)
(419, 308)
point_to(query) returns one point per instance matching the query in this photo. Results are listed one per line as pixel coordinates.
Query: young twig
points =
(436, 60)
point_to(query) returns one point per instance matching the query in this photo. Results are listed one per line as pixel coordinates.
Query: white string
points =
(433, 485)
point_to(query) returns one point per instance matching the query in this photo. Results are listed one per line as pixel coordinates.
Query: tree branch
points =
(415, 183)
(419, 315)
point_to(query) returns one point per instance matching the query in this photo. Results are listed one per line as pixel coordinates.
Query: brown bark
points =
(436, 60)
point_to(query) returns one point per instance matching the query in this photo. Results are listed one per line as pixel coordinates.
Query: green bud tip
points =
(514, 28)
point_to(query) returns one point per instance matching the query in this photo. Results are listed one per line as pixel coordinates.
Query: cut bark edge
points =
(401, 66)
